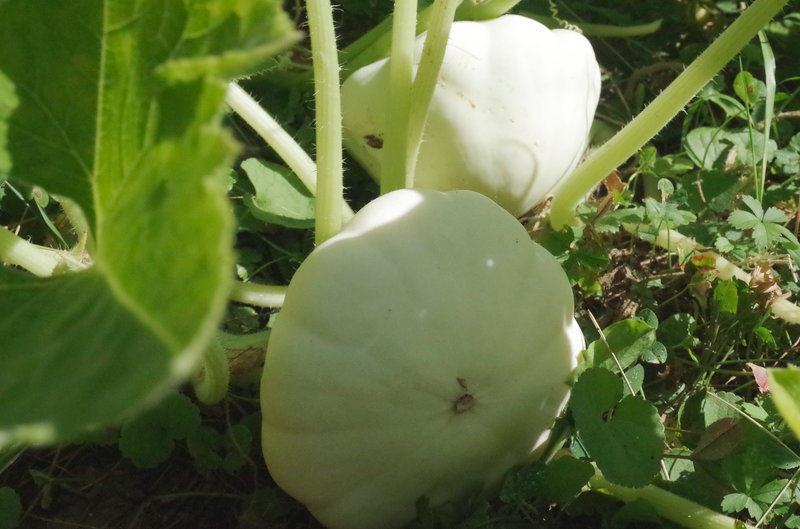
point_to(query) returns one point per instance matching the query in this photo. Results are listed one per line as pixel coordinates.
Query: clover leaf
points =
(624, 436)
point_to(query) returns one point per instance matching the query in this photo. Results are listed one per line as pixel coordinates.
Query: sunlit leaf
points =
(143, 154)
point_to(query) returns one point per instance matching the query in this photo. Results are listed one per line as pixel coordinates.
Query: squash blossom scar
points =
(466, 401)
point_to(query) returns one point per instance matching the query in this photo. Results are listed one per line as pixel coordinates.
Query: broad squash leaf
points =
(120, 104)
(8, 102)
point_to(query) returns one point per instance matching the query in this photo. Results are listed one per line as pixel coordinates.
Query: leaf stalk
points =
(661, 110)
(669, 506)
(401, 80)
(328, 112)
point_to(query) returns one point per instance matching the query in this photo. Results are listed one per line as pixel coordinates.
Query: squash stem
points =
(679, 243)
(376, 43)
(669, 506)
(211, 380)
(330, 190)
(427, 76)
(484, 10)
(357, 55)
(38, 260)
(268, 296)
(401, 77)
(661, 110)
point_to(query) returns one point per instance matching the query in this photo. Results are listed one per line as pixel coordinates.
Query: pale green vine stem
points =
(38, 260)
(484, 9)
(427, 76)
(375, 44)
(267, 296)
(236, 343)
(276, 137)
(401, 77)
(330, 188)
(676, 242)
(213, 375)
(603, 30)
(669, 506)
(661, 110)
(35, 259)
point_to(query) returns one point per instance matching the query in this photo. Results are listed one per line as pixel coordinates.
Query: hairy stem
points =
(662, 109)
(330, 188)
(35, 259)
(276, 137)
(401, 78)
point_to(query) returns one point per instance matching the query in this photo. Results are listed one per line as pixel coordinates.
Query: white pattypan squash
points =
(422, 351)
(509, 118)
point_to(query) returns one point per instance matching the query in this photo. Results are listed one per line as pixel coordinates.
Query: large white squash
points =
(509, 118)
(422, 351)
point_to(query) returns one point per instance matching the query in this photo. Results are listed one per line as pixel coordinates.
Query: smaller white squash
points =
(510, 115)
(422, 351)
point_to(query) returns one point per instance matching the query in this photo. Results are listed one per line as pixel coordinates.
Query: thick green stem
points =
(676, 242)
(401, 77)
(375, 44)
(484, 10)
(233, 344)
(361, 52)
(427, 76)
(328, 109)
(602, 30)
(380, 38)
(267, 296)
(284, 145)
(669, 506)
(213, 376)
(35, 259)
(653, 118)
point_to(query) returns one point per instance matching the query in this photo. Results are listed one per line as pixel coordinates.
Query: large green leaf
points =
(8, 102)
(120, 103)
